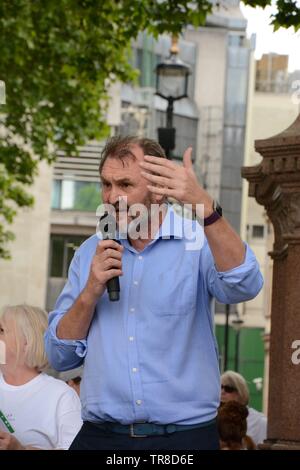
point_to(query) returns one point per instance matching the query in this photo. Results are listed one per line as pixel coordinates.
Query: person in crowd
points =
(234, 387)
(72, 378)
(150, 358)
(232, 427)
(36, 411)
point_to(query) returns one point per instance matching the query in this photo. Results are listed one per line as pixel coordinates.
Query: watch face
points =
(219, 209)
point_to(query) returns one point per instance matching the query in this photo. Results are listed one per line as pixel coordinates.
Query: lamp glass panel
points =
(171, 85)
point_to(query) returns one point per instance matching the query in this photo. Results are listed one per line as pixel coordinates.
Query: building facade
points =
(212, 119)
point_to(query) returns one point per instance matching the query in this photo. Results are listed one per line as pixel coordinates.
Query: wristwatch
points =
(216, 215)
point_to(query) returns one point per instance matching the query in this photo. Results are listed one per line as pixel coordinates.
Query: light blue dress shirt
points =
(152, 356)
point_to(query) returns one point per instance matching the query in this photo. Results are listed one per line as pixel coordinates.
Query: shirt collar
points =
(172, 225)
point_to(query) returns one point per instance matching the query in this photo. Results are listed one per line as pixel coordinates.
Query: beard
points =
(138, 220)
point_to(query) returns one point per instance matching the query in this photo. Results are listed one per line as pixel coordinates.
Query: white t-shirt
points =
(256, 426)
(45, 412)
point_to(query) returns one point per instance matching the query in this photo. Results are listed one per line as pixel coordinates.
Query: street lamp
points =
(171, 84)
(237, 325)
(226, 337)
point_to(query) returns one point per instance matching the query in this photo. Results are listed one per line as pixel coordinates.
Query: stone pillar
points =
(275, 184)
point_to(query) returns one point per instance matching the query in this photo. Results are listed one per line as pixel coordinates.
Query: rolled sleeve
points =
(64, 354)
(236, 285)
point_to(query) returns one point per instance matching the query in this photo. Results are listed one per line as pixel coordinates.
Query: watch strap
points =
(216, 215)
(212, 218)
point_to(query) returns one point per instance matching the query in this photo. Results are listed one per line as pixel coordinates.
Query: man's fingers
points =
(112, 263)
(105, 244)
(111, 253)
(160, 161)
(157, 169)
(163, 181)
(162, 191)
(187, 158)
(112, 273)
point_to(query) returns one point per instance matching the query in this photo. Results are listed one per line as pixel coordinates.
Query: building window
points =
(62, 249)
(258, 231)
(75, 195)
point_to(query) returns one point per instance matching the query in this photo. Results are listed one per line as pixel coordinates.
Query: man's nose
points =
(113, 195)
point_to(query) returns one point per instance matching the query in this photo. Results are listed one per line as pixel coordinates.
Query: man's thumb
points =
(187, 158)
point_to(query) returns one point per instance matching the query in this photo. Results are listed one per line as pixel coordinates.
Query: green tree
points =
(287, 14)
(88, 198)
(58, 59)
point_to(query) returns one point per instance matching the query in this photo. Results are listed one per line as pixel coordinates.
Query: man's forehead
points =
(131, 152)
(117, 166)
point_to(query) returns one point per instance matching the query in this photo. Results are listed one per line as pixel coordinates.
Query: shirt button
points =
(131, 338)
(140, 257)
(132, 309)
(135, 283)
(134, 369)
(139, 402)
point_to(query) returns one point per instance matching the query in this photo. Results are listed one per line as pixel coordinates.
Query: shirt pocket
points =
(174, 290)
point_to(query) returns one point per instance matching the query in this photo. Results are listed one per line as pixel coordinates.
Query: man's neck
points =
(155, 223)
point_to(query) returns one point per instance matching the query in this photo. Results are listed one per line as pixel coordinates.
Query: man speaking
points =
(151, 375)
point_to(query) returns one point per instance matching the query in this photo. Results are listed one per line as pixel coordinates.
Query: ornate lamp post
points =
(237, 325)
(171, 84)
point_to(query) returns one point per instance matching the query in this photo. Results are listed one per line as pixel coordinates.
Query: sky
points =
(283, 41)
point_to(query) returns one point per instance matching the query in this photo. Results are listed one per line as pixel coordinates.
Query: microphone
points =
(107, 226)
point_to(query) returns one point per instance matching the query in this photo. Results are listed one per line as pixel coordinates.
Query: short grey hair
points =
(120, 147)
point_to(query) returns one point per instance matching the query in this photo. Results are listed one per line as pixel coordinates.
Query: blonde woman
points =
(235, 388)
(36, 410)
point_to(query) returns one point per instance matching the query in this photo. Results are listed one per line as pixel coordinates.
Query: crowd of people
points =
(150, 360)
(25, 388)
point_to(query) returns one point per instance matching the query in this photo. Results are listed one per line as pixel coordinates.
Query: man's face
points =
(122, 179)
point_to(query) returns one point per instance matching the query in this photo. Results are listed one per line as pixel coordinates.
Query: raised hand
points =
(169, 179)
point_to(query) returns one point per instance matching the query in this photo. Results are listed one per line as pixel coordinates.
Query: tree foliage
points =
(287, 14)
(88, 198)
(58, 60)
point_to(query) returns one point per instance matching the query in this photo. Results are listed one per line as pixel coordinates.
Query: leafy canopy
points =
(287, 14)
(58, 60)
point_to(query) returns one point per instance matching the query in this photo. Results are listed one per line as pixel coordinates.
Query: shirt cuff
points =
(80, 345)
(236, 274)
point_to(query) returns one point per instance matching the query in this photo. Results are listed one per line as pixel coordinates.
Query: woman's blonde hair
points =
(237, 381)
(31, 323)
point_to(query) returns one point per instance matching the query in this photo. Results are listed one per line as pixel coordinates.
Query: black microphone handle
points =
(113, 286)
(113, 289)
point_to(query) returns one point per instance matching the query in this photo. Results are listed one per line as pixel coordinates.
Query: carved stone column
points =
(275, 184)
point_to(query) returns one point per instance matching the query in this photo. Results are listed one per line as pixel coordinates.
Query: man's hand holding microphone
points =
(106, 265)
